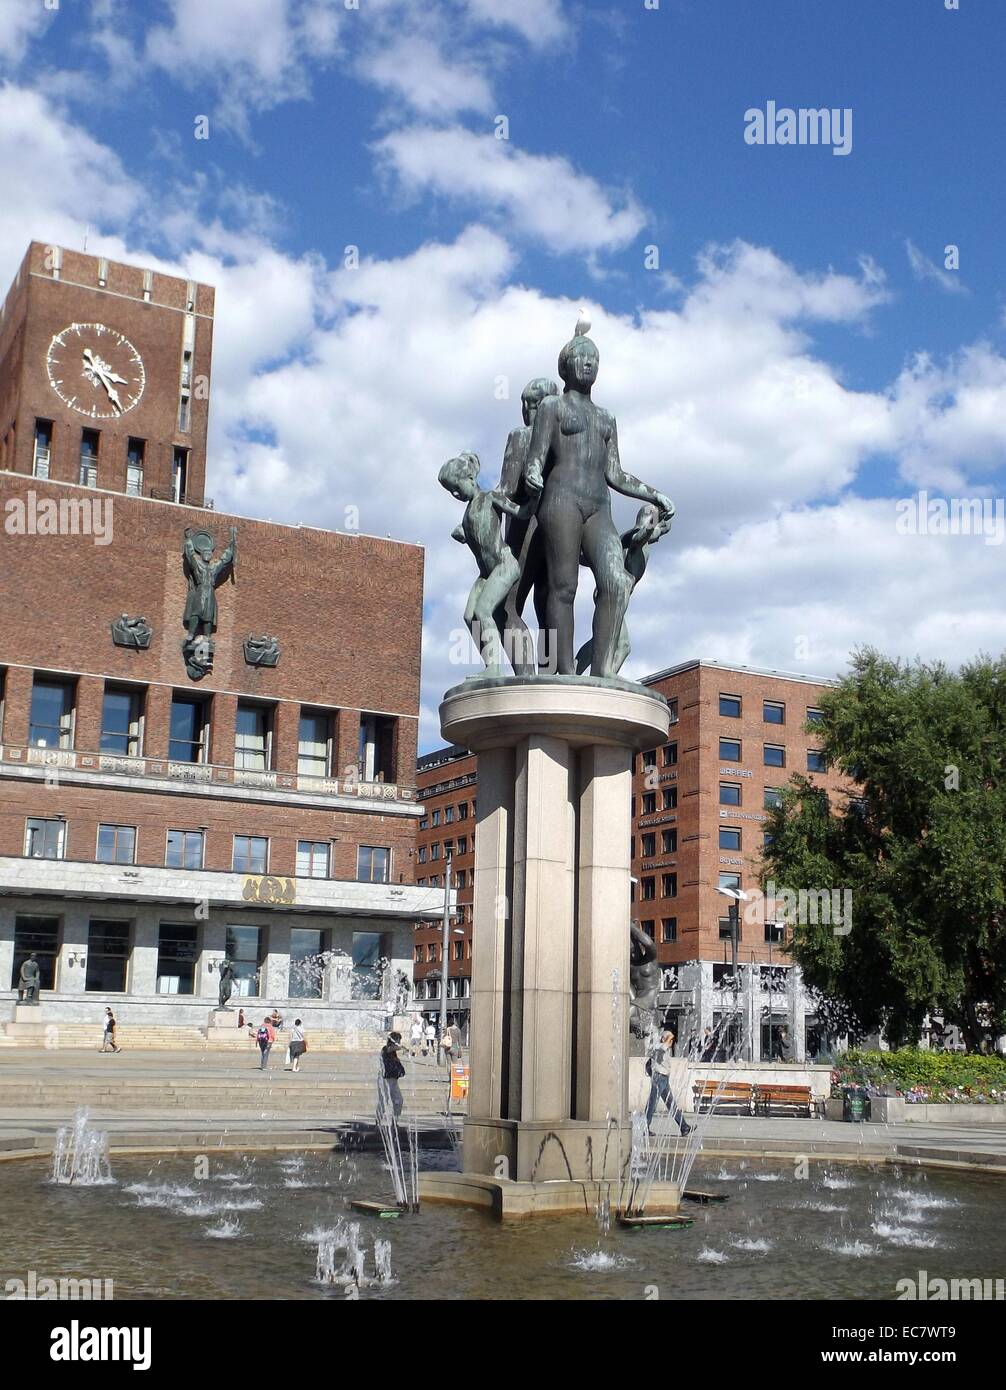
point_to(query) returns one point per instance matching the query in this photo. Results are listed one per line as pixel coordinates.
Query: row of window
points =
(109, 946)
(458, 988)
(449, 813)
(668, 929)
(773, 711)
(731, 794)
(185, 849)
(648, 802)
(52, 717)
(460, 879)
(90, 458)
(668, 756)
(648, 843)
(449, 847)
(433, 950)
(773, 755)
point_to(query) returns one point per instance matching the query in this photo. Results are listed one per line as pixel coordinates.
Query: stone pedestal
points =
(548, 1099)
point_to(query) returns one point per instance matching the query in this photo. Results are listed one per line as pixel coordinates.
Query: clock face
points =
(95, 370)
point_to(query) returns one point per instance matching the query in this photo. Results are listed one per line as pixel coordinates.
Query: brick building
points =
(154, 817)
(445, 787)
(699, 808)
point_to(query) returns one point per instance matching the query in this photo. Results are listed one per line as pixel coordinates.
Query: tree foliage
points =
(919, 839)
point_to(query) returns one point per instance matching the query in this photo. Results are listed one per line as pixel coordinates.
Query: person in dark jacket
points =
(392, 1070)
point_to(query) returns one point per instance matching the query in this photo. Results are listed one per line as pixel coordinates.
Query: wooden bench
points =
(718, 1095)
(783, 1098)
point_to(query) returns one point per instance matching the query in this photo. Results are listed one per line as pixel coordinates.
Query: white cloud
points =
(415, 69)
(925, 269)
(950, 421)
(539, 196)
(541, 21)
(21, 21)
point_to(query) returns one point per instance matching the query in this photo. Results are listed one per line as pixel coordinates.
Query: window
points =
(177, 949)
(729, 838)
(184, 413)
(462, 845)
(312, 858)
(107, 957)
(730, 750)
(462, 810)
(377, 748)
(51, 724)
(306, 976)
(670, 798)
(38, 936)
(730, 793)
(422, 854)
(459, 950)
(373, 864)
(43, 449)
(726, 930)
(185, 849)
(424, 824)
(251, 854)
(435, 851)
(253, 738)
(670, 755)
(766, 840)
(431, 952)
(815, 716)
(186, 370)
(775, 755)
(314, 746)
(775, 932)
(365, 981)
(116, 844)
(649, 927)
(730, 706)
(418, 953)
(669, 885)
(44, 839)
(179, 474)
(121, 722)
(773, 712)
(649, 803)
(187, 743)
(672, 705)
(134, 467)
(668, 842)
(435, 819)
(448, 815)
(648, 759)
(730, 881)
(648, 845)
(460, 879)
(668, 929)
(815, 760)
(88, 476)
(648, 889)
(773, 798)
(244, 950)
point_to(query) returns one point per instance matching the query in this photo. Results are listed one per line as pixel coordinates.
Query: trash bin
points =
(855, 1104)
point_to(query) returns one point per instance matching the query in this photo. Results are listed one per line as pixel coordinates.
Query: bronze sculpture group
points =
(559, 471)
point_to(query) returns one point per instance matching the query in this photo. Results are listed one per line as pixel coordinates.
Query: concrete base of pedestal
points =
(536, 1151)
(516, 1200)
(27, 1013)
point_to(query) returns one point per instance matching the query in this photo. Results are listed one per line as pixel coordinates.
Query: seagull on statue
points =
(582, 325)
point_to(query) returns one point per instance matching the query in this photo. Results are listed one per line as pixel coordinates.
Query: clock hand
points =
(113, 395)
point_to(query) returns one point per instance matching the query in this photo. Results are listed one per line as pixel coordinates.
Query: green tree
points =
(919, 839)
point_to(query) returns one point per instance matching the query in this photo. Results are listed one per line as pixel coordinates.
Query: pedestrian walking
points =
(265, 1037)
(431, 1039)
(392, 1070)
(108, 1035)
(416, 1035)
(298, 1044)
(452, 1043)
(658, 1070)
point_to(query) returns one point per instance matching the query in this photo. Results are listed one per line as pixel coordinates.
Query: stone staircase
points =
(55, 1036)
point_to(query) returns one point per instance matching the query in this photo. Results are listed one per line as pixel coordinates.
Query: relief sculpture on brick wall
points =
(204, 576)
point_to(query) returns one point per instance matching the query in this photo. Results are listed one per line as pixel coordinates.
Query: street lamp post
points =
(446, 962)
(736, 895)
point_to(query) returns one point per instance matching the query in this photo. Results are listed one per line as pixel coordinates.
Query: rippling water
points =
(251, 1230)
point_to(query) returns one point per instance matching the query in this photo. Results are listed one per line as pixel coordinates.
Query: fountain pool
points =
(265, 1226)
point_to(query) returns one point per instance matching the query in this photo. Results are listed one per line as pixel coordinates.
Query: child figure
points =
(480, 530)
(636, 542)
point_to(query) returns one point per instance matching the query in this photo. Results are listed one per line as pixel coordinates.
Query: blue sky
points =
(800, 361)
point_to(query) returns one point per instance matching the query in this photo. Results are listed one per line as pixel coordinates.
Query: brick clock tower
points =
(104, 376)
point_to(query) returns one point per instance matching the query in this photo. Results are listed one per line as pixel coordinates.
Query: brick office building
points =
(445, 787)
(163, 809)
(699, 807)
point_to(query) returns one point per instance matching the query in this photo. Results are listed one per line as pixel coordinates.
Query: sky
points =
(796, 342)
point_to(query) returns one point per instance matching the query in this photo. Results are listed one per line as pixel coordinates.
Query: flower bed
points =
(942, 1078)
